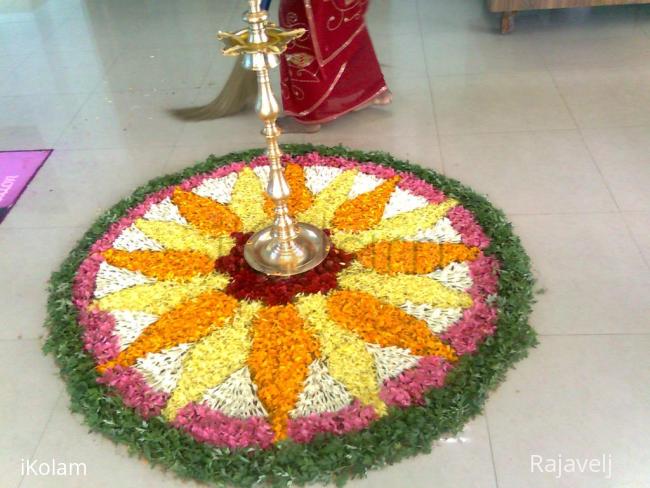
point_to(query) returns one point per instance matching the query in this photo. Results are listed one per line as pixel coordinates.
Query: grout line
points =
(635, 240)
(584, 142)
(604, 179)
(56, 141)
(542, 214)
(596, 334)
(550, 129)
(527, 131)
(21, 339)
(430, 88)
(494, 465)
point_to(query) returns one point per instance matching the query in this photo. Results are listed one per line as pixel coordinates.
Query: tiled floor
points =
(551, 122)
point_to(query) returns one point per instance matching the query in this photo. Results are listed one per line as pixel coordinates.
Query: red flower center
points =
(246, 283)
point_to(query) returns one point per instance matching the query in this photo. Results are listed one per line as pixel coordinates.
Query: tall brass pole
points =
(285, 248)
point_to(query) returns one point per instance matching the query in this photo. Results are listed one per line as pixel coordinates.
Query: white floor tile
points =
(529, 172)
(400, 55)
(600, 98)
(580, 23)
(629, 50)
(639, 224)
(30, 389)
(125, 119)
(623, 156)
(593, 274)
(417, 150)
(159, 69)
(461, 52)
(28, 259)
(36, 121)
(56, 72)
(185, 156)
(575, 397)
(498, 102)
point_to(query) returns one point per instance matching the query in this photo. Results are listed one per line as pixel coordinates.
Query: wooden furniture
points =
(508, 8)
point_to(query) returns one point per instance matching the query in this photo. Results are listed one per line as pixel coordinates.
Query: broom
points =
(239, 91)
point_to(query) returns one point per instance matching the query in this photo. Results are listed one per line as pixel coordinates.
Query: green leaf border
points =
(403, 433)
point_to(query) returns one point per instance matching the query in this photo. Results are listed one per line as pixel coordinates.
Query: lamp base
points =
(263, 253)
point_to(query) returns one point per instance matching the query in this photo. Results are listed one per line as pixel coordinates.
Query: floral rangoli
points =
(181, 330)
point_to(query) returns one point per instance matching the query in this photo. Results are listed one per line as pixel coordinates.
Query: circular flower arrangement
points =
(172, 342)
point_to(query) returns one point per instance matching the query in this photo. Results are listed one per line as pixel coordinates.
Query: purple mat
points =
(17, 168)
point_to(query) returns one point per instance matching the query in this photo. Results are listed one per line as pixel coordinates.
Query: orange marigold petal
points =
(413, 257)
(364, 211)
(300, 198)
(187, 323)
(163, 265)
(205, 214)
(281, 353)
(380, 323)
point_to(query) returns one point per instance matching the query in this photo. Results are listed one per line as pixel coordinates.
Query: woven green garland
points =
(328, 458)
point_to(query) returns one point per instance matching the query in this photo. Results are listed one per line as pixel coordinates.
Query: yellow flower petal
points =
(205, 214)
(364, 211)
(346, 355)
(414, 257)
(179, 237)
(383, 324)
(397, 289)
(162, 296)
(326, 202)
(248, 201)
(400, 226)
(213, 359)
(162, 265)
(300, 198)
(281, 353)
(187, 323)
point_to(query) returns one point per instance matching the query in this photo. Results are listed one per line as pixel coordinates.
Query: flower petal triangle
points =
(133, 239)
(162, 296)
(394, 228)
(236, 397)
(187, 323)
(321, 393)
(399, 288)
(179, 237)
(413, 257)
(380, 323)
(327, 201)
(366, 210)
(164, 211)
(162, 369)
(248, 201)
(300, 198)
(279, 360)
(213, 359)
(162, 265)
(129, 325)
(391, 361)
(347, 357)
(205, 214)
(112, 279)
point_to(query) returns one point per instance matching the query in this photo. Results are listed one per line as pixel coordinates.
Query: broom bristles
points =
(238, 92)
